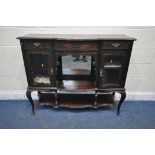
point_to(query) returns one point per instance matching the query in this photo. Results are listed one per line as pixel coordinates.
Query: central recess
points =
(76, 72)
(76, 65)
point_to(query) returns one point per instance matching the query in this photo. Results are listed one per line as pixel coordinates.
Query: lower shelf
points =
(76, 85)
(76, 100)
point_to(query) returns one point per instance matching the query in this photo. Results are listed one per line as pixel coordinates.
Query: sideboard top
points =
(77, 37)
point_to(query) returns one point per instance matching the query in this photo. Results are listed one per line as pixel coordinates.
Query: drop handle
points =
(36, 44)
(115, 44)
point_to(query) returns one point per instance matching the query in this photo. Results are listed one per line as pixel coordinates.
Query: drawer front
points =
(116, 44)
(36, 44)
(75, 46)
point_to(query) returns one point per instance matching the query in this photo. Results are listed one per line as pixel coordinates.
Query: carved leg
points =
(56, 101)
(28, 95)
(96, 95)
(123, 96)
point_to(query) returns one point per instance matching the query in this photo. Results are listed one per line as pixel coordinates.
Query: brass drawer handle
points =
(36, 44)
(115, 44)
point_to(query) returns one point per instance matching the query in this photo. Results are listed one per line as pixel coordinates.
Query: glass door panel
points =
(40, 68)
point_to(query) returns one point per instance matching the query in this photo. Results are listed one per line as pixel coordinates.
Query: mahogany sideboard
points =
(75, 87)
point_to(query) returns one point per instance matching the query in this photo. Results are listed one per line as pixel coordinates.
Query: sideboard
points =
(95, 69)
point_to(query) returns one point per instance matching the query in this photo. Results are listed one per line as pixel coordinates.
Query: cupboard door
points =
(41, 69)
(112, 69)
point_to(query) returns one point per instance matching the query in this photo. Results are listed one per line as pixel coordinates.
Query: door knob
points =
(42, 65)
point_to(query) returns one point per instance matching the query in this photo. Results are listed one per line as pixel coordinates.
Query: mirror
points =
(76, 65)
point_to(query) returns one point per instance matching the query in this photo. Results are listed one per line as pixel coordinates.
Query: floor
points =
(17, 115)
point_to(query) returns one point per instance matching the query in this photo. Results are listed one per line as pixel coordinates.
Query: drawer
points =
(116, 44)
(75, 46)
(36, 44)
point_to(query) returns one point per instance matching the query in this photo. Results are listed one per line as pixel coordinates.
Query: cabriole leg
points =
(123, 96)
(28, 95)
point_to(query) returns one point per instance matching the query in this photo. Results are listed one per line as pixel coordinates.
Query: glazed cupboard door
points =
(41, 69)
(112, 69)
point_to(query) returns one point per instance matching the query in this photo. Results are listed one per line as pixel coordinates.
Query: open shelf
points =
(76, 85)
(76, 100)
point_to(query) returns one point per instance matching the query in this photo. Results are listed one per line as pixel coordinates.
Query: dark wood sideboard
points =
(44, 55)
